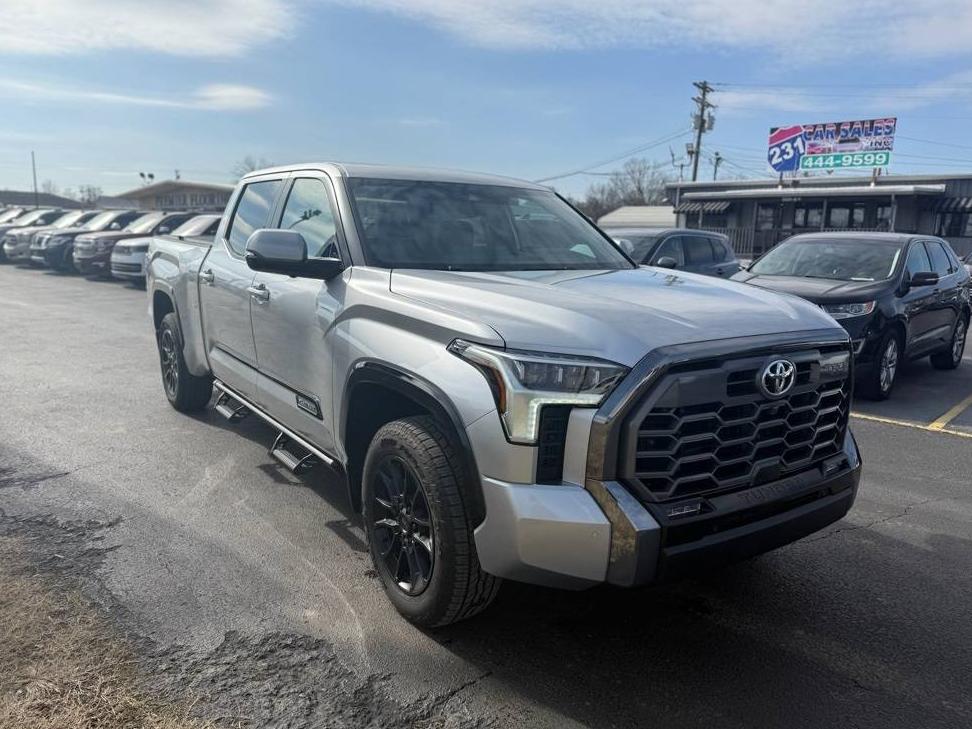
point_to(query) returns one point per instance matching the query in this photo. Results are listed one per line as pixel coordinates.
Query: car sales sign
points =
(857, 143)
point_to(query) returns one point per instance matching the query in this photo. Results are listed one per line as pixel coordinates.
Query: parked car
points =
(9, 214)
(128, 256)
(506, 393)
(56, 248)
(899, 296)
(31, 219)
(92, 251)
(17, 243)
(685, 249)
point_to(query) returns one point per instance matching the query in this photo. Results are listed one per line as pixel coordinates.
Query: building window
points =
(808, 215)
(954, 225)
(766, 216)
(882, 217)
(846, 216)
(715, 220)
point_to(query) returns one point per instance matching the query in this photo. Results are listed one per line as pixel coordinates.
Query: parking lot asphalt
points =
(866, 624)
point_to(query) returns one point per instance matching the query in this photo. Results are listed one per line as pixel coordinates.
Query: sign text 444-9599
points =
(855, 159)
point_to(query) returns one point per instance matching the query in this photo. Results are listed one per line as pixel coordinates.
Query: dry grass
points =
(61, 664)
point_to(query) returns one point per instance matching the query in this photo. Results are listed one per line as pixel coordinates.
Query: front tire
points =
(951, 358)
(185, 391)
(879, 382)
(419, 531)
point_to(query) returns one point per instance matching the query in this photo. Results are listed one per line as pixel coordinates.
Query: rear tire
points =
(879, 382)
(951, 358)
(185, 391)
(419, 532)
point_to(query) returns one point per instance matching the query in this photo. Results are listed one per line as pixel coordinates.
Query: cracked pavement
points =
(252, 587)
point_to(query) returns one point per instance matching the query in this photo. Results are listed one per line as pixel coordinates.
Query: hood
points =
(15, 229)
(110, 235)
(614, 315)
(137, 241)
(818, 290)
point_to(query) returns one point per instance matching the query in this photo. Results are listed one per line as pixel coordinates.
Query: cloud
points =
(215, 28)
(214, 97)
(796, 29)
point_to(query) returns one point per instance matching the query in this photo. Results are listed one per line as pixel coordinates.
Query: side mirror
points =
(625, 245)
(114, 226)
(666, 262)
(284, 251)
(924, 278)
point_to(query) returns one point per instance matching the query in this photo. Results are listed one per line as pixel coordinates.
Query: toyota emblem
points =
(778, 377)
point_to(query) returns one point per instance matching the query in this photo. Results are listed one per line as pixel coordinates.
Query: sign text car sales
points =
(855, 143)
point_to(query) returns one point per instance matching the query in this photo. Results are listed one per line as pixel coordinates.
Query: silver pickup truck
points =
(505, 393)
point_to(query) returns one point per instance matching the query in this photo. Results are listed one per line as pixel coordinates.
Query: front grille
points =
(702, 431)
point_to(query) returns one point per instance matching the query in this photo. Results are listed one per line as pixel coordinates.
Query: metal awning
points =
(798, 191)
(714, 208)
(952, 205)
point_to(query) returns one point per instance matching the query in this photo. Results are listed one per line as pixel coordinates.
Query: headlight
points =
(845, 311)
(523, 382)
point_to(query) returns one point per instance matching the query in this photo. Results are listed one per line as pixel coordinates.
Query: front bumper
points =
(131, 266)
(16, 250)
(92, 263)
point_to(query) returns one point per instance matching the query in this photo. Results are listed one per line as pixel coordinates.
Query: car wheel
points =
(879, 382)
(949, 359)
(419, 532)
(185, 391)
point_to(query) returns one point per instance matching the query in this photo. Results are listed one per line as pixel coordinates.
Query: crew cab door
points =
(224, 283)
(292, 317)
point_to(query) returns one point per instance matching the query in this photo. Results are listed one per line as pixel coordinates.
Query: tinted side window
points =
(940, 263)
(671, 247)
(697, 250)
(719, 250)
(308, 211)
(918, 261)
(252, 212)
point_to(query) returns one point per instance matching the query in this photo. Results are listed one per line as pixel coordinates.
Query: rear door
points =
(292, 317)
(949, 299)
(224, 283)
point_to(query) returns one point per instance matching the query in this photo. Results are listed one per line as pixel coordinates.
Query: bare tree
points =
(638, 182)
(49, 187)
(88, 193)
(249, 164)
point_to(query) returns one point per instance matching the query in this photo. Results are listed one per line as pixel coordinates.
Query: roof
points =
(394, 172)
(814, 191)
(639, 216)
(164, 186)
(866, 236)
(43, 199)
(824, 180)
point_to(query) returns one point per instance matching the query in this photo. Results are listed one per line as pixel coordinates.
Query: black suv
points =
(695, 251)
(896, 295)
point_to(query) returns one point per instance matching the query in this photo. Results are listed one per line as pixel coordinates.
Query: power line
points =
(642, 148)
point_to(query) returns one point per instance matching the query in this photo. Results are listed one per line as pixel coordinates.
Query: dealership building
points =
(758, 214)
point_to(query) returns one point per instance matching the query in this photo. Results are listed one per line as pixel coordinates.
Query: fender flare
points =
(430, 397)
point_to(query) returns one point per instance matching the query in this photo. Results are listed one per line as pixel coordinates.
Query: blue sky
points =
(103, 89)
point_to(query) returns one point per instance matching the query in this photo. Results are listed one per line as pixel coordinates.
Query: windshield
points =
(28, 218)
(839, 260)
(101, 220)
(196, 226)
(463, 227)
(7, 215)
(145, 223)
(66, 221)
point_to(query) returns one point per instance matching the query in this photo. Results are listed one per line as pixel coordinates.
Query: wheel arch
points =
(377, 393)
(162, 304)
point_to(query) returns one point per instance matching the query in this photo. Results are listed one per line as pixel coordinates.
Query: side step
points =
(230, 408)
(294, 462)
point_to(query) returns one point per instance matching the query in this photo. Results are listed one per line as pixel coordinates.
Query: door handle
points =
(259, 292)
(207, 276)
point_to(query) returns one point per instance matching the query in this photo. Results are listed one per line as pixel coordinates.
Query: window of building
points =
(808, 215)
(882, 217)
(252, 212)
(954, 225)
(308, 211)
(767, 216)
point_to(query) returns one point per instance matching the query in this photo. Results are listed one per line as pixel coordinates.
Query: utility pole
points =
(716, 161)
(702, 120)
(33, 166)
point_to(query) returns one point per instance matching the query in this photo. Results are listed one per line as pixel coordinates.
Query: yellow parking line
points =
(911, 424)
(948, 417)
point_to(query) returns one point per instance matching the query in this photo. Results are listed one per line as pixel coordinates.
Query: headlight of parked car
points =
(846, 311)
(523, 382)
